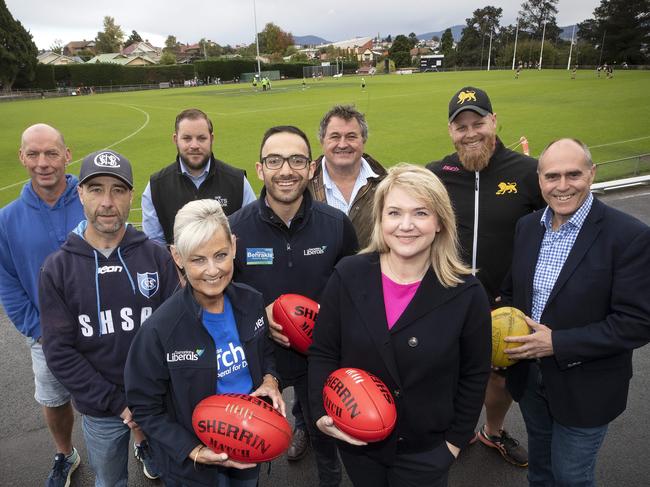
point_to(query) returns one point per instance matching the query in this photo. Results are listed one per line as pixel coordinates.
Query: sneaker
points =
(143, 454)
(509, 448)
(63, 468)
(299, 445)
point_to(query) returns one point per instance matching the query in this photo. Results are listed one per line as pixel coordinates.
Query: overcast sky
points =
(231, 21)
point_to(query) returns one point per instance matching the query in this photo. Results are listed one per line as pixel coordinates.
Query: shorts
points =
(48, 391)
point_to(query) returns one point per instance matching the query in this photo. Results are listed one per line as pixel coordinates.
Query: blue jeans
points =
(558, 455)
(107, 442)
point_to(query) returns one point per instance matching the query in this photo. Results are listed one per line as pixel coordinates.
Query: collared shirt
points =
(555, 248)
(333, 194)
(150, 222)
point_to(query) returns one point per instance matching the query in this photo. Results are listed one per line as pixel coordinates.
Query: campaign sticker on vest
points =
(148, 283)
(259, 256)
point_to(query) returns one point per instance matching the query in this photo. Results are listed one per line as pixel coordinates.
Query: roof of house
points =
(119, 58)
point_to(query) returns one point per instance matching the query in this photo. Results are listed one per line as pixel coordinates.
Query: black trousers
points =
(423, 469)
(325, 450)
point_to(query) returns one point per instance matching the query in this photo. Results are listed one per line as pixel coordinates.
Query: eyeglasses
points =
(275, 161)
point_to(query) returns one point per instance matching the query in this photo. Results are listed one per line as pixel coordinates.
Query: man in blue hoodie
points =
(32, 227)
(95, 292)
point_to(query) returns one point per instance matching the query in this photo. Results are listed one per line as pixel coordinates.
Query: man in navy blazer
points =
(581, 271)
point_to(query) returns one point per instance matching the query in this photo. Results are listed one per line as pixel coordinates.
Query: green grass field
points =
(407, 116)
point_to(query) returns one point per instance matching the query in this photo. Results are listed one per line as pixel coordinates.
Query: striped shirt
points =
(555, 248)
(333, 194)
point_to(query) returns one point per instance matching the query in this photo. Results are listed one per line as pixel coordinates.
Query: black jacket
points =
(171, 190)
(435, 359)
(599, 311)
(79, 288)
(507, 189)
(172, 366)
(303, 257)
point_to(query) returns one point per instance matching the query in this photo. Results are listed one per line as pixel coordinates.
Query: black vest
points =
(171, 189)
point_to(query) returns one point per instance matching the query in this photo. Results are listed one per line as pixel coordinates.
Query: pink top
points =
(396, 297)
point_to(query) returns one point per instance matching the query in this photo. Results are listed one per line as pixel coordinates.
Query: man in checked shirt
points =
(580, 272)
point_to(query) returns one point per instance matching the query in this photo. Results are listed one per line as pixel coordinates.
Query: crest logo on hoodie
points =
(148, 283)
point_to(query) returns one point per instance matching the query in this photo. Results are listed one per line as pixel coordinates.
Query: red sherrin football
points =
(360, 404)
(245, 427)
(297, 315)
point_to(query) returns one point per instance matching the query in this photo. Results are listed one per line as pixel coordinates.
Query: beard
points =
(194, 166)
(478, 159)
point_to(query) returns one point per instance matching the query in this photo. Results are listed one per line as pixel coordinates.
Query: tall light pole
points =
(514, 54)
(568, 65)
(541, 50)
(257, 42)
(490, 49)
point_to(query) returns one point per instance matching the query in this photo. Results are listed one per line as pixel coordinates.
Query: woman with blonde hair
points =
(407, 310)
(210, 338)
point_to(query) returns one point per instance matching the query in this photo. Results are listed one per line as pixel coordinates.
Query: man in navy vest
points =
(195, 174)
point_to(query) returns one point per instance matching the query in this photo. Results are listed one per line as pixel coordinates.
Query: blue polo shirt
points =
(232, 366)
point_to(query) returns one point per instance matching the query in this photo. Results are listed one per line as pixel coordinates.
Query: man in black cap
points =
(491, 187)
(94, 293)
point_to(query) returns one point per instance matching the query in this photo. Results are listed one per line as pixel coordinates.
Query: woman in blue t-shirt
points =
(210, 338)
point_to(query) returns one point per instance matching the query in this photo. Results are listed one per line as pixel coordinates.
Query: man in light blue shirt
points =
(195, 174)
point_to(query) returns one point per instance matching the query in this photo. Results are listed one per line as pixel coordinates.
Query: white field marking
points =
(619, 142)
(146, 122)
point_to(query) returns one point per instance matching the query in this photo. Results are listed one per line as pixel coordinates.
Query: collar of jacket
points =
(299, 219)
(318, 187)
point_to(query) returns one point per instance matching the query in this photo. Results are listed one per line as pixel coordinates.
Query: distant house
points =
(52, 58)
(420, 51)
(119, 58)
(73, 48)
(143, 48)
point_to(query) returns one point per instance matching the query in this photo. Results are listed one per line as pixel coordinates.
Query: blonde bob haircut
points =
(196, 223)
(425, 187)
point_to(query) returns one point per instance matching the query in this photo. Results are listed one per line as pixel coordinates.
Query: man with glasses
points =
(289, 243)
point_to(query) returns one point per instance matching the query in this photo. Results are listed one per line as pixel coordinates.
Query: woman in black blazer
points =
(407, 310)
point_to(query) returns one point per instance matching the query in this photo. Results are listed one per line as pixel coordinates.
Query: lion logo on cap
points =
(107, 159)
(464, 96)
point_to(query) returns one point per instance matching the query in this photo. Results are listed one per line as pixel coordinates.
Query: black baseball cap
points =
(106, 163)
(469, 98)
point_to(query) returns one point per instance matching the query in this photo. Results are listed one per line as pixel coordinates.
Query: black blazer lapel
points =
(368, 297)
(586, 237)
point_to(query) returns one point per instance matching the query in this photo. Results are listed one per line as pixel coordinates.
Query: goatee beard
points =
(476, 160)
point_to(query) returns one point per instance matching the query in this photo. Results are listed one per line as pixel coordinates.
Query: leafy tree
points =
(533, 15)
(435, 38)
(133, 38)
(167, 58)
(388, 38)
(17, 51)
(274, 40)
(110, 39)
(472, 48)
(57, 46)
(413, 39)
(625, 25)
(400, 51)
(447, 42)
(86, 54)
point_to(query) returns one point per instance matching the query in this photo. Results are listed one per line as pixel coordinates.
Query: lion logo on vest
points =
(107, 159)
(464, 96)
(507, 188)
(148, 283)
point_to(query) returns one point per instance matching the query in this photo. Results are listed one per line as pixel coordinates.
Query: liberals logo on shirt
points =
(185, 355)
(315, 251)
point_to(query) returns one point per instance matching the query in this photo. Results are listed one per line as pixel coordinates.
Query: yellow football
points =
(506, 322)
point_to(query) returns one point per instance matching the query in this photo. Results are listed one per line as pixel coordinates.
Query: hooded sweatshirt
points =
(92, 308)
(30, 230)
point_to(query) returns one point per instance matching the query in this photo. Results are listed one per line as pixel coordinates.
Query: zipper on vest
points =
(290, 254)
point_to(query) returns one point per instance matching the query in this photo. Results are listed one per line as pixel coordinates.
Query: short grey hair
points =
(588, 159)
(196, 223)
(347, 113)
